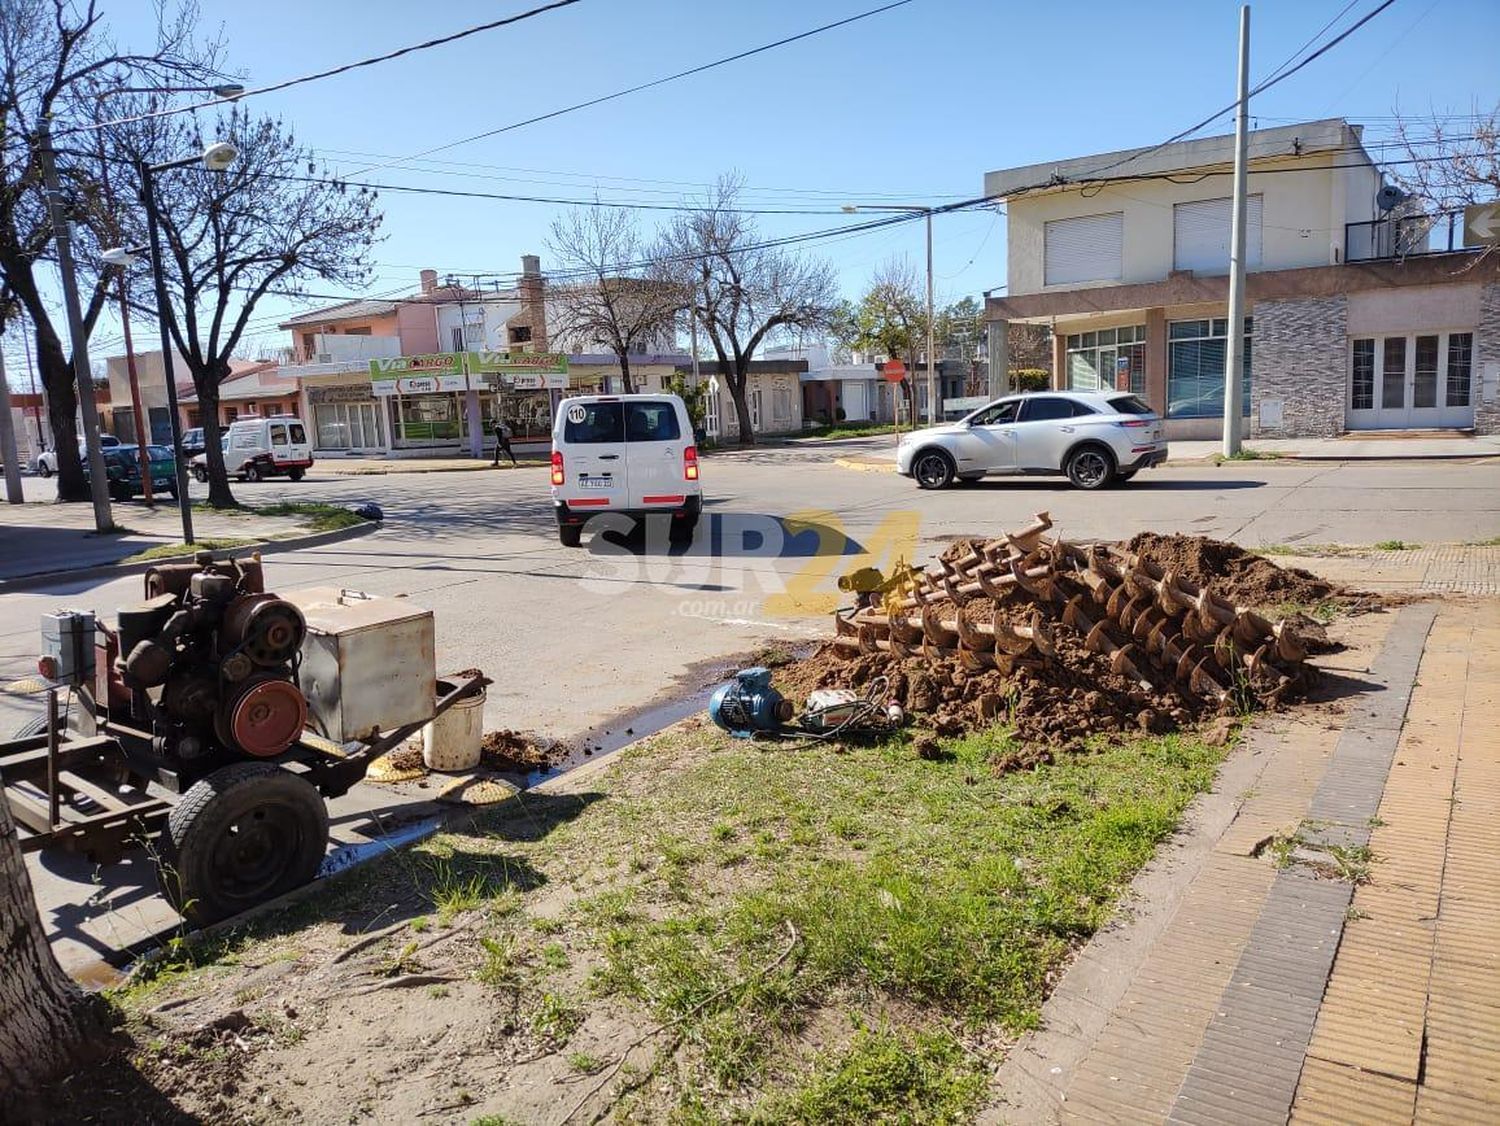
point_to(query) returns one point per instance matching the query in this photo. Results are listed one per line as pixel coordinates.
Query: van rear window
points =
(594, 423)
(299, 434)
(651, 422)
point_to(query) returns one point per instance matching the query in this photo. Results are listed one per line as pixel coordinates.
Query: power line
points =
(1342, 12)
(429, 44)
(511, 198)
(645, 85)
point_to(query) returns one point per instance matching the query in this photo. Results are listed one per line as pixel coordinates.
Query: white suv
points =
(632, 454)
(1094, 437)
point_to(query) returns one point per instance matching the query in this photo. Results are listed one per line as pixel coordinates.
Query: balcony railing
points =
(1404, 236)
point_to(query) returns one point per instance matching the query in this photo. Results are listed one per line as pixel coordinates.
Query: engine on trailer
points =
(208, 663)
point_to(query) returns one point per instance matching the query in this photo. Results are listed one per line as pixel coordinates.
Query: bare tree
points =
(1028, 345)
(269, 224)
(611, 296)
(890, 318)
(742, 291)
(1449, 166)
(58, 64)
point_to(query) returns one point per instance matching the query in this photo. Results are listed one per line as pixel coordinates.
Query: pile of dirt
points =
(1239, 575)
(1056, 697)
(519, 752)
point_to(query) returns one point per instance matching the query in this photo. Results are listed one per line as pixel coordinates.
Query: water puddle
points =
(348, 856)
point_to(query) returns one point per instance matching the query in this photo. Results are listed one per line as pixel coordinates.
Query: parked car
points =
(256, 448)
(1092, 437)
(631, 455)
(46, 461)
(122, 466)
(192, 442)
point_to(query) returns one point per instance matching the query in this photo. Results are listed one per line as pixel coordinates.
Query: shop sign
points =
(518, 363)
(437, 363)
(342, 393)
(522, 381)
(419, 385)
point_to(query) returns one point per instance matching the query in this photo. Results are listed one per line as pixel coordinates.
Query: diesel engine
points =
(208, 664)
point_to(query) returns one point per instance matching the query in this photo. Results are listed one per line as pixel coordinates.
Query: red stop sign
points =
(894, 371)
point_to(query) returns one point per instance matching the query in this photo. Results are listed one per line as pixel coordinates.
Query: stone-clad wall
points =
(1299, 358)
(1487, 351)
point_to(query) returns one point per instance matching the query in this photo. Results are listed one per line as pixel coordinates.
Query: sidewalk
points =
(1347, 448)
(44, 537)
(1318, 943)
(380, 466)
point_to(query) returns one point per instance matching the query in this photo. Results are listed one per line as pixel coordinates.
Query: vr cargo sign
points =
(469, 371)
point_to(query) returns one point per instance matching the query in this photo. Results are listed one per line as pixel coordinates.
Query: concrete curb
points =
(430, 469)
(39, 579)
(865, 466)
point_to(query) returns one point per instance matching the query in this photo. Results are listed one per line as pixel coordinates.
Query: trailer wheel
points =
(245, 834)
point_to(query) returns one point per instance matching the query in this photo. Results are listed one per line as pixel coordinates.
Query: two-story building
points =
(1361, 314)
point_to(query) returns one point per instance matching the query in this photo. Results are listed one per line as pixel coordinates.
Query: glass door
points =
(1411, 382)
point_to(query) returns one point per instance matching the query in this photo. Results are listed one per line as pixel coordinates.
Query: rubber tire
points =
(1072, 467)
(34, 726)
(252, 472)
(200, 474)
(120, 495)
(44, 469)
(570, 535)
(296, 474)
(680, 532)
(947, 477)
(206, 813)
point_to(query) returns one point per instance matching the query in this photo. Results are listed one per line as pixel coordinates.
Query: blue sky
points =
(913, 105)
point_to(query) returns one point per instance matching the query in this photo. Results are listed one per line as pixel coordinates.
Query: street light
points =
(224, 90)
(121, 257)
(216, 157)
(914, 209)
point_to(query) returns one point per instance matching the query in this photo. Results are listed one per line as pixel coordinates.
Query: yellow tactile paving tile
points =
(1332, 1093)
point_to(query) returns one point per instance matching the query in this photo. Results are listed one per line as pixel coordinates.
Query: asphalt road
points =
(578, 641)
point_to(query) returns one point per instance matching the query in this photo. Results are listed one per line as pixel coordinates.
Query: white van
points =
(632, 454)
(256, 448)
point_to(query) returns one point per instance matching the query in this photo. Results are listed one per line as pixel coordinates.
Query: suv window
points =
(651, 422)
(1044, 408)
(997, 415)
(1129, 404)
(590, 424)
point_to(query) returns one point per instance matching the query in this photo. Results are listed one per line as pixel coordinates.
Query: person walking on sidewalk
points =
(502, 443)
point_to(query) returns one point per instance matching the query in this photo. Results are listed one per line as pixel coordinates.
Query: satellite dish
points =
(1388, 197)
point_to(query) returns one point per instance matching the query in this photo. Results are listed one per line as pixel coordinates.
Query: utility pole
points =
(62, 232)
(932, 380)
(142, 423)
(8, 452)
(1234, 359)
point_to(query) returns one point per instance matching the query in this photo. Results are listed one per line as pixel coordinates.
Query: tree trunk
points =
(625, 371)
(62, 412)
(207, 386)
(47, 1024)
(739, 392)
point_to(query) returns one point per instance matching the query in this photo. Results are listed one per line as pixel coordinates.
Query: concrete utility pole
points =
(143, 434)
(932, 380)
(62, 233)
(1234, 359)
(8, 452)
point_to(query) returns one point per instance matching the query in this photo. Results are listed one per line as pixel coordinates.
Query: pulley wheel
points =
(265, 718)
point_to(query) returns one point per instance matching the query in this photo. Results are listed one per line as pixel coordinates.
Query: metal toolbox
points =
(368, 663)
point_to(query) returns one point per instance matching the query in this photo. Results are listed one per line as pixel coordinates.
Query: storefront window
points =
(347, 426)
(1196, 354)
(1094, 359)
(527, 413)
(429, 418)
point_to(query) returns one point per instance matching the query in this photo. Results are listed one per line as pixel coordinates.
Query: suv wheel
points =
(933, 469)
(1090, 467)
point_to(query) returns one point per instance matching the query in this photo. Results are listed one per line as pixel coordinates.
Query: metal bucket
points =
(452, 741)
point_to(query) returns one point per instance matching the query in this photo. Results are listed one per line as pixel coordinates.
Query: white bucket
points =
(452, 741)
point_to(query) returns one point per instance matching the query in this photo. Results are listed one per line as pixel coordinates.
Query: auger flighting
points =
(998, 605)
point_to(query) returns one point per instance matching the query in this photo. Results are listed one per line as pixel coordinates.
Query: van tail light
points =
(557, 468)
(690, 463)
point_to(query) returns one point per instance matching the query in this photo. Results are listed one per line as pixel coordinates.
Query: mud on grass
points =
(711, 929)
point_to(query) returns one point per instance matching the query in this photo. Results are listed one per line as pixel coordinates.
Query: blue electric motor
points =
(749, 706)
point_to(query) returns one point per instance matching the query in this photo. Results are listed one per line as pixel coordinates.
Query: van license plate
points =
(596, 482)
